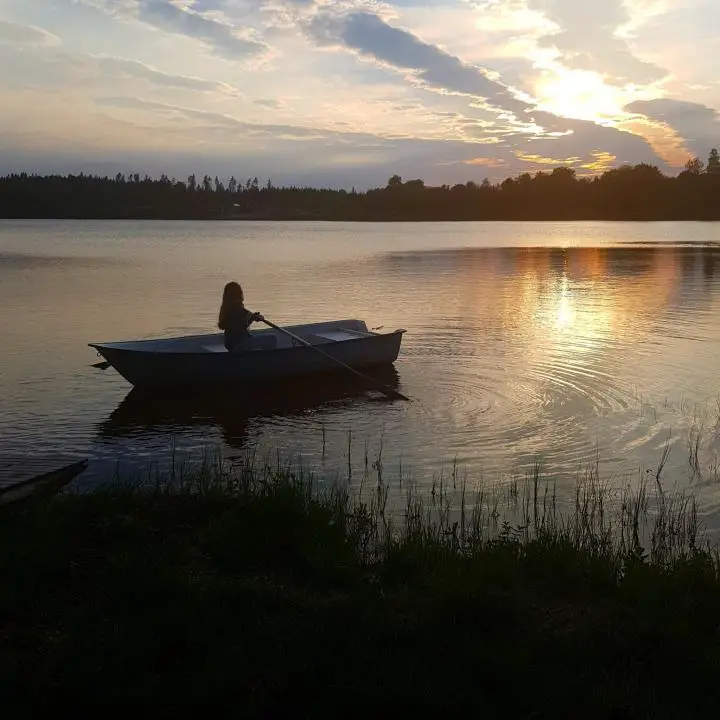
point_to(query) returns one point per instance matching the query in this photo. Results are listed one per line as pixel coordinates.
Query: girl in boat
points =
(235, 319)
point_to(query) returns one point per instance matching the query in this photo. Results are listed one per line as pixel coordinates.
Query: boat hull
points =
(149, 369)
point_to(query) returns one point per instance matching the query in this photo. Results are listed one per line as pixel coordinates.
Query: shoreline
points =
(631, 193)
(360, 221)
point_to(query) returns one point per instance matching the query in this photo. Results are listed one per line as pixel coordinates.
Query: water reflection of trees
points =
(579, 262)
(609, 264)
(519, 296)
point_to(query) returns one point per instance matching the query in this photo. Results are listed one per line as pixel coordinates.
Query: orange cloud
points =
(540, 160)
(665, 141)
(602, 162)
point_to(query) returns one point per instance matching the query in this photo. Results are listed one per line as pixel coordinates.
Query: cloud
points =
(677, 112)
(156, 138)
(587, 39)
(697, 124)
(331, 118)
(369, 35)
(221, 37)
(582, 138)
(485, 162)
(302, 5)
(272, 103)
(55, 70)
(601, 162)
(510, 17)
(683, 36)
(118, 67)
(25, 34)
(540, 160)
(181, 18)
(217, 120)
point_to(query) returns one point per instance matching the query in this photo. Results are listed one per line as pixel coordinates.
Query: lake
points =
(563, 343)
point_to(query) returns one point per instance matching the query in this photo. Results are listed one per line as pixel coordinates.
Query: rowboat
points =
(23, 477)
(203, 359)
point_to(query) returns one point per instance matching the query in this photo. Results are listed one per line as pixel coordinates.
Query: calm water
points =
(556, 341)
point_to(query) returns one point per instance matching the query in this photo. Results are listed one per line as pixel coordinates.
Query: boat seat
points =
(326, 336)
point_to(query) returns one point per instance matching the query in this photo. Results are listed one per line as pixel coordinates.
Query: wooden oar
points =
(387, 391)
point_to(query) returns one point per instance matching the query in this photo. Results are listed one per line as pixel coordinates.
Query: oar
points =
(388, 391)
(101, 365)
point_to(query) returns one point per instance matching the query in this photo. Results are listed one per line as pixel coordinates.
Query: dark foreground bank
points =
(252, 595)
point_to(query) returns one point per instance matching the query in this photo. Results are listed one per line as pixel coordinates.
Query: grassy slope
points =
(263, 603)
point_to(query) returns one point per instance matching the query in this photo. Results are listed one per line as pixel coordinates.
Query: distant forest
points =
(632, 192)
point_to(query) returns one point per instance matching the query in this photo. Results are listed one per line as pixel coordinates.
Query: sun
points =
(578, 94)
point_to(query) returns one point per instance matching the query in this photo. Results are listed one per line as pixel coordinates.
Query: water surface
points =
(558, 342)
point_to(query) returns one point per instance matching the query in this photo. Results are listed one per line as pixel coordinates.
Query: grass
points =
(246, 588)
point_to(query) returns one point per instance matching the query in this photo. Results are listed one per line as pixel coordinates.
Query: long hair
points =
(232, 297)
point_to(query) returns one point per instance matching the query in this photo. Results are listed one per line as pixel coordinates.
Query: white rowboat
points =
(203, 359)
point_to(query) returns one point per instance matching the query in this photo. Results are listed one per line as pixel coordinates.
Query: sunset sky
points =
(348, 92)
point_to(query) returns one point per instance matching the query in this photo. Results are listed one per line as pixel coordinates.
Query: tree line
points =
(629, 192)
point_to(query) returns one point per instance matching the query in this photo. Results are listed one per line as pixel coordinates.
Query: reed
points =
(253, 585)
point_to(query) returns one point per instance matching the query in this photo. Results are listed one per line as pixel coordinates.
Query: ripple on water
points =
(561, 406)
